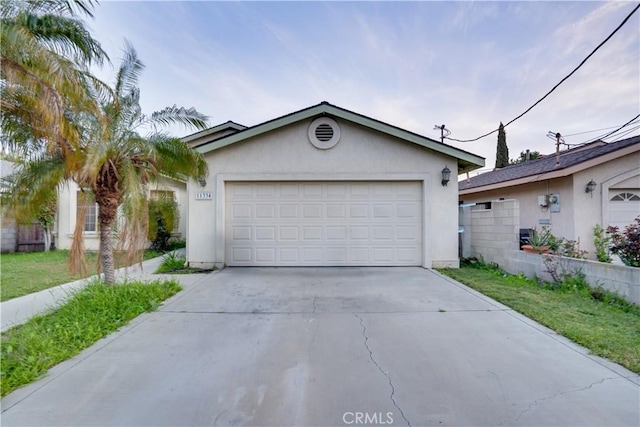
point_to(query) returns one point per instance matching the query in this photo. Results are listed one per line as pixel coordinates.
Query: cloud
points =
(467, 65)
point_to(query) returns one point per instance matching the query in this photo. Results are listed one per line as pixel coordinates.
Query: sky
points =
(468, 65)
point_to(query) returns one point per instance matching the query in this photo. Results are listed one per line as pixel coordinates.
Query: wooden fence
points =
(30, 238)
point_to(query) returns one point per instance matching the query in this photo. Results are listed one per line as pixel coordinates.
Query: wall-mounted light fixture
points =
(202, 182)
(591, 185)
(446, 173)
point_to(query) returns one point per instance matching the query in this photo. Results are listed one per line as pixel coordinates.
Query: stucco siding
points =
(286, 154)
(579, 210)
(67, 211)
(531, 213)
(591, 209)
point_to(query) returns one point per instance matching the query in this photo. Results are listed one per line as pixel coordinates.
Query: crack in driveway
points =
(393, 389)
(553, 396)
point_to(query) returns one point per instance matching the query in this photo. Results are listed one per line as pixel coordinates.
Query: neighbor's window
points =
(86, 200)
(481, 206)
(162, 195)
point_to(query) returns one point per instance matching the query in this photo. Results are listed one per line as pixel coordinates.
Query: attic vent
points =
(324, 133)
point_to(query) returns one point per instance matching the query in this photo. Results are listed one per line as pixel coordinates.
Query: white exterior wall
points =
(591, 210)
(286, 154)
(66, 224)
(67, 209)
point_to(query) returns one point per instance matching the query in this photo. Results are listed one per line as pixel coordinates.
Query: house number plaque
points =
(204, 195)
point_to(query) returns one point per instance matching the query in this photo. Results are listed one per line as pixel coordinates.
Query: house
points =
(324, 186)
(71, 198)
(598, 183)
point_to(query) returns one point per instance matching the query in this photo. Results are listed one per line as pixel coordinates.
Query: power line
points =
(612, 132)
(561, 81)
(591, 131)
(625, 133)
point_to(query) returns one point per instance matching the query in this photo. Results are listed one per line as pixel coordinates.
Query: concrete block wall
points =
(8, 236)
(492, 233)
(623, 280)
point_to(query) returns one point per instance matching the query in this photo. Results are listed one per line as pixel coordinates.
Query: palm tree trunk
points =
(106, 254)
(47, 239)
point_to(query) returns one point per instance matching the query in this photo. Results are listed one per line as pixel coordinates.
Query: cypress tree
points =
(502, 151)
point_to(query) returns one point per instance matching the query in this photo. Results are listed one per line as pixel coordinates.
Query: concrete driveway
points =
(330, 346)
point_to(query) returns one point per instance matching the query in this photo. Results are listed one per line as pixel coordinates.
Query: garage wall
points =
(607, 176)
(287, 154)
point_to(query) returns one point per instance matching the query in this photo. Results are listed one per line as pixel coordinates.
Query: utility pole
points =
(559, 140)
(443, 129)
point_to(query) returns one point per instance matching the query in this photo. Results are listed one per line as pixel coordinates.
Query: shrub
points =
(163, 215)
(176, 243)
(626, 244)
(601, 242)
(171, 262)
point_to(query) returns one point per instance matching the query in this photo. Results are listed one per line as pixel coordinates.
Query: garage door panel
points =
(346, 223)
(624, 207)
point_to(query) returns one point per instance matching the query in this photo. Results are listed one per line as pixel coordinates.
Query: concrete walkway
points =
(327, 347)
(18, 310)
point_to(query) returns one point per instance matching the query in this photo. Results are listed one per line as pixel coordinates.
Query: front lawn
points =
(606, 325)
(29, 350)
(24, 273)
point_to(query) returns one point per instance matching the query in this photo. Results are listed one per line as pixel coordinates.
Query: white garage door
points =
(323, 223)
(624, 207)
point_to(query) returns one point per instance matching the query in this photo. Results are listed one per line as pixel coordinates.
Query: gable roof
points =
(466, 161)
(228, 125)
(546, 168)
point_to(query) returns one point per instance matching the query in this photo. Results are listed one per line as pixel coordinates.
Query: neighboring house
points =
(16, 234)
(324, 186)
(598, 183)
(70, 198)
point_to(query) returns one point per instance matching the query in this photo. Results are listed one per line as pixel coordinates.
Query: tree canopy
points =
(63, 124)
(502, 151)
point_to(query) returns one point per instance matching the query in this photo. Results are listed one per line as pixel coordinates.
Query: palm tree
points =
(115, 164)
(119, 162)
(44, 59)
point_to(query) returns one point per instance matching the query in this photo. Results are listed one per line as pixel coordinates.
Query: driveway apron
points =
(330, 346)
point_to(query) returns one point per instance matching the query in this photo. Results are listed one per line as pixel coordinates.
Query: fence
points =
(493, 234)
(30, 238)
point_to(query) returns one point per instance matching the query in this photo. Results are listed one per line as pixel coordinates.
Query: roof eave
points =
(214, 129)
(466, 161)
(558, 173)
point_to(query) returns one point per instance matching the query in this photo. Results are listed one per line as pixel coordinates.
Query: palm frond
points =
(130, 69)
(32, 184)
(189, 117)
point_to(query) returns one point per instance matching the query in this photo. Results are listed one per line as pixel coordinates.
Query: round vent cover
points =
(324, 133)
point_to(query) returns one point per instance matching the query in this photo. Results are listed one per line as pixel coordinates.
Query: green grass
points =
(29, 350)
(24, 273)
(608, 326)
